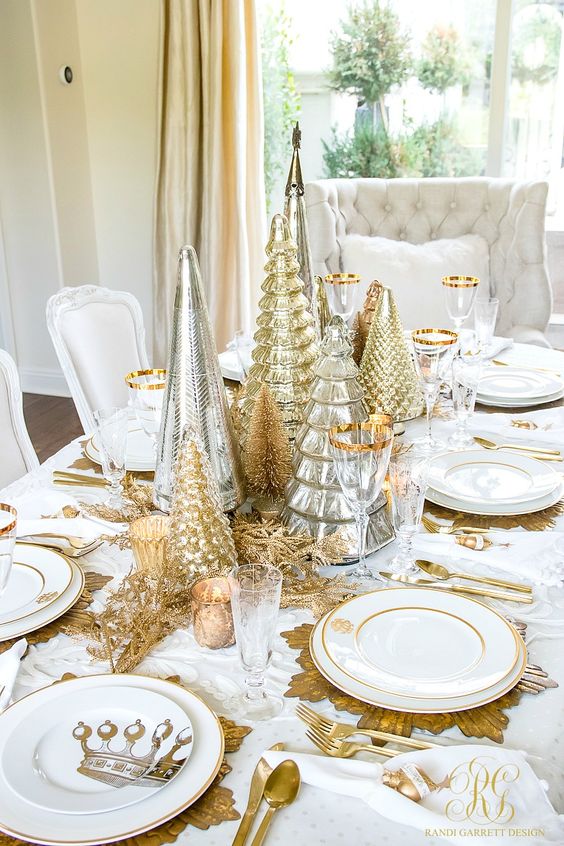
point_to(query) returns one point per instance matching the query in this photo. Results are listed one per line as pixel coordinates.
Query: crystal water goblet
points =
(255, 602)
(243, 347)
(433, 354)
(361, 452)
(408, 473)
(342, 292)
(8, 534)
(146, 394)
(112, 426)
(460, 294)
(485, 317)
(466, 372)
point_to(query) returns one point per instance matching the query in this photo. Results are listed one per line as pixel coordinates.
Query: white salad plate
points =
(478, 476)
(25, 820)
(493, 508)
(495, 403)
(42, 586)
(42, 758)
(140, 457)
(512, 384)
(418, 650)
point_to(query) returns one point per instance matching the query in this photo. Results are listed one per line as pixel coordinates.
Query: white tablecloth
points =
(536, 726)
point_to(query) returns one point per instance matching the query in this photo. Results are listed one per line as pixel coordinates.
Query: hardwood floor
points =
(51, 422)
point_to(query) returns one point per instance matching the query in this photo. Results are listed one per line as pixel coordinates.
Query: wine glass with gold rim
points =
(361, 453)
(342, 293)
(460, 295)
(146, 393)
(433, 353)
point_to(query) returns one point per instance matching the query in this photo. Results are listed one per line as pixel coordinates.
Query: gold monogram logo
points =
(342, 626)
(482, 791)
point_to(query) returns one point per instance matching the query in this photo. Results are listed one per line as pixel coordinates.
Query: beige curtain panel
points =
(210, 180)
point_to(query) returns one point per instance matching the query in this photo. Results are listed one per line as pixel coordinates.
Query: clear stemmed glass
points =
(255, 601)
(243, 347)
(8, 524)
(111, 424)
(434, 350)
(408, 472)
(460, 293)
(466, 372)
(361, 452)
(146, 393)
(342, 293)
(485, 316)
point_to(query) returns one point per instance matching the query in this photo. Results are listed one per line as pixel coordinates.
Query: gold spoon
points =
(281, 788)
(484, 442)
(441, 573)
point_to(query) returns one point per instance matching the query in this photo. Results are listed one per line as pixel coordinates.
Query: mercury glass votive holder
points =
(211, 613)
(148, 537)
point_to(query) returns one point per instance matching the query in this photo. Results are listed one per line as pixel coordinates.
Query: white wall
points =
(77, 163)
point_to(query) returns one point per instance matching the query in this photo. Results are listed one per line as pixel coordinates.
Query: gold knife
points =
(260, 775)
(492, 594)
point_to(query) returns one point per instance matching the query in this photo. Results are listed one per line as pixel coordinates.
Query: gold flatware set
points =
(499, 363)
(465, 589)
(436, 528)
(278, 786)
(438, 571)
(69, 479)
(540, 453)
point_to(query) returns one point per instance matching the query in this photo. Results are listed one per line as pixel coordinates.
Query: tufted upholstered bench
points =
(508, 214)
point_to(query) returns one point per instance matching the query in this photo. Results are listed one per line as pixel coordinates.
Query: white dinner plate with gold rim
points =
(478, 475)
(21, 819)
(139, 458)
(494, 509)
(512, 384)
(43, 560)
(496, 403)
(46, 765)
(33, 586)
(427, 641)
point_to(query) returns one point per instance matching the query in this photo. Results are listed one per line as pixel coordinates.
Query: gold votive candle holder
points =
(211, 613)
(148, 537)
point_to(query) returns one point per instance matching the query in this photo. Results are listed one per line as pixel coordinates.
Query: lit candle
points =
(211, 612)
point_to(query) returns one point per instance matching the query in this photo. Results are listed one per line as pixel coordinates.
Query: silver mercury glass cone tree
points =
(315, 503)
(295, 213)
(285, 341)
(195, 394)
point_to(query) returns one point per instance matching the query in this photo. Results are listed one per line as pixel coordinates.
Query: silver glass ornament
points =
(195, 394)
(315, 503)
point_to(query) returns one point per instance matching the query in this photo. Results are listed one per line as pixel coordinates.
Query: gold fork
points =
(345, 749)
(436, 528)
(339, 731)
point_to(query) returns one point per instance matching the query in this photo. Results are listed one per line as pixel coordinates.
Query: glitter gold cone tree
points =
(387, 372)
(363, 319)
(285, 341)
(199, 540)
(315, 503)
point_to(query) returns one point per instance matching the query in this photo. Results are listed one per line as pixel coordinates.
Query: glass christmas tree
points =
(315, 503)
(285, 341)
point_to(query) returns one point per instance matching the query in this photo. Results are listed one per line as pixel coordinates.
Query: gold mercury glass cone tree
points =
(315, 503)
(387, 371)
(285, 341)
(200, 542)
(363, 319)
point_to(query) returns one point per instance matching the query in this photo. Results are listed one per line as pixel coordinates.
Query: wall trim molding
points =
(41, 380)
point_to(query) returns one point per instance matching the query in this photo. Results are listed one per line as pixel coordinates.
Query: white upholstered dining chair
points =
(509, 215)
(99, 337)
(17, 455)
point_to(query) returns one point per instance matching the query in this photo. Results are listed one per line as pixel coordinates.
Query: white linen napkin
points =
(9, 666)
(536, 557)
(497, 345)
(74, 526)
(525, 804)
(36, 506)
(549, 431)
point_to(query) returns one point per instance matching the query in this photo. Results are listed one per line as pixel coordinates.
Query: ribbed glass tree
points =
(285, 341)
(315, 503)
